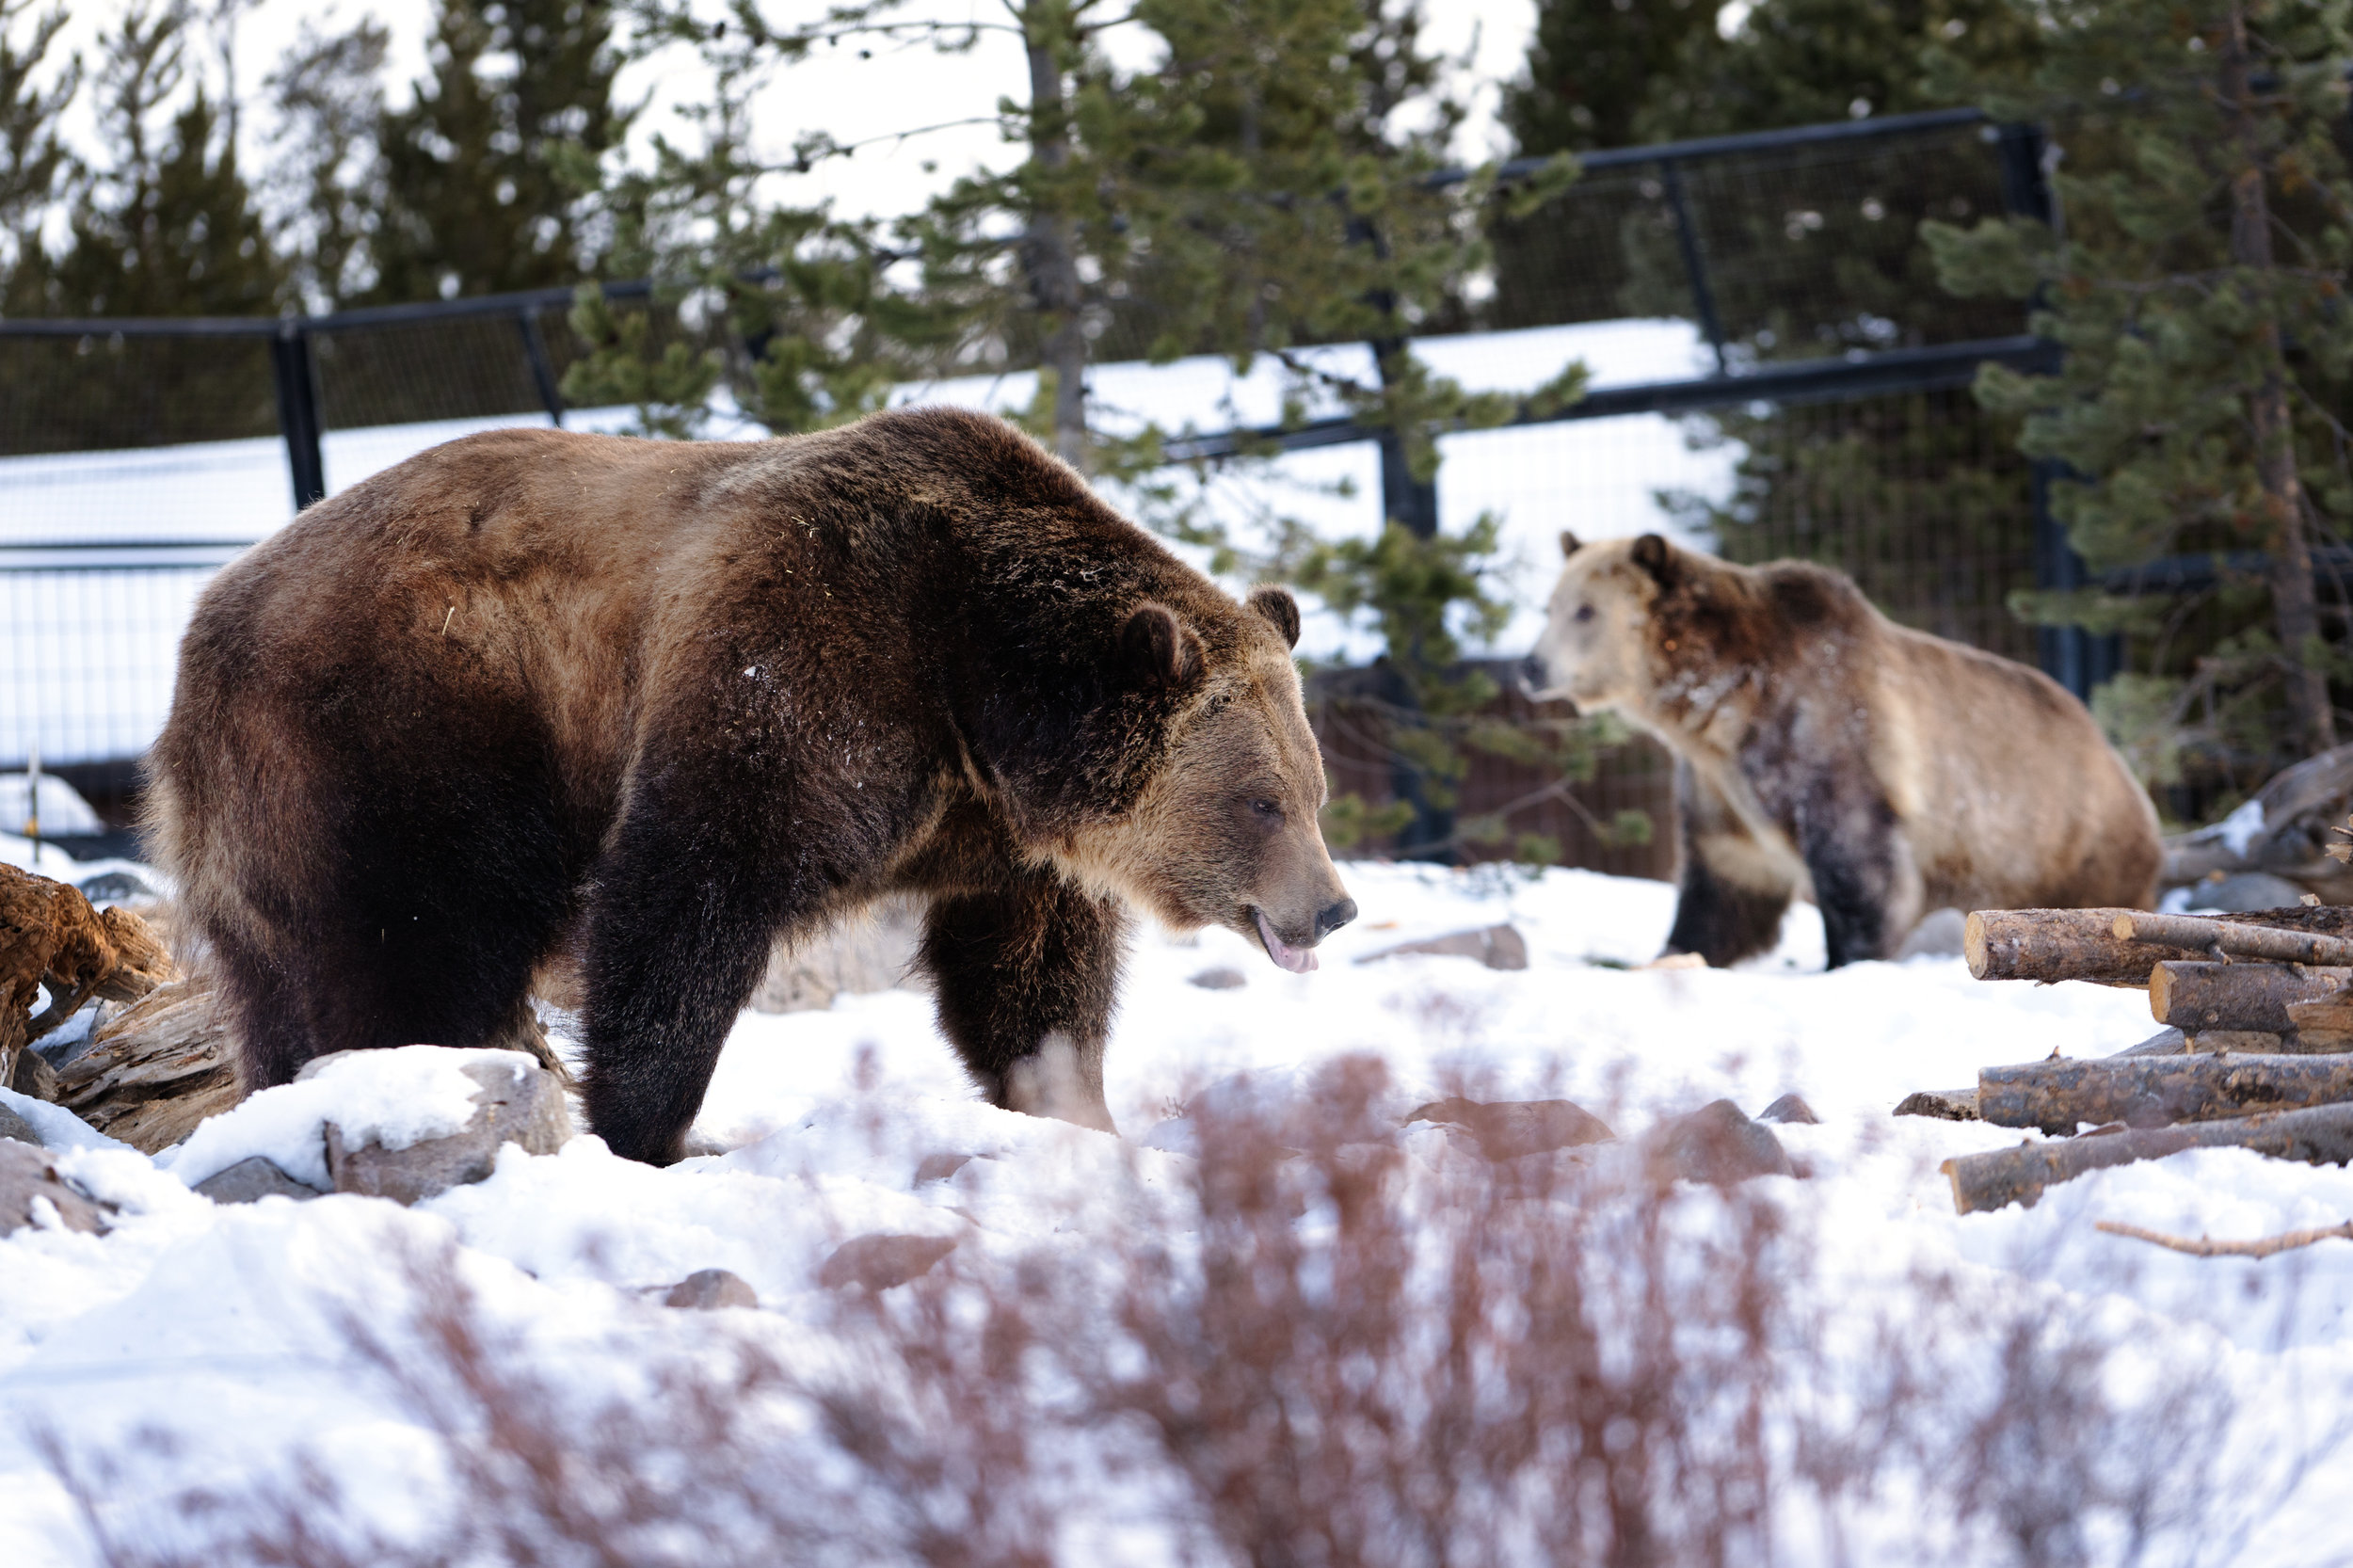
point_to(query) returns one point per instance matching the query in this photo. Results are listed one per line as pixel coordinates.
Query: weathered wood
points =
(2241, 938)
(2322, 1135)
(156, 1070)
(2289, 837)
(1944, 1105)
(2081, 944)
(2205, 1247)
(2158, 1091)
(2198, 996)
(2326, 1024)
(50, 938)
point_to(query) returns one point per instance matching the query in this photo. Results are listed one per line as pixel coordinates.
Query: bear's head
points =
(1224, 831)
(1599, 644)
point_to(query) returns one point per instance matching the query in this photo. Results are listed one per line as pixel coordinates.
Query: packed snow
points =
(224, 1325)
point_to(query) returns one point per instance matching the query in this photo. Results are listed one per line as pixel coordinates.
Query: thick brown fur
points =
(1825, 752)
(652, 706)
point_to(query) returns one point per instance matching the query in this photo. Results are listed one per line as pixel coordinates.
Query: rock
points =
(1789, 1109)
(871, 951)
(1507, 1129)
(1717, 1143)
(2246, 892)
(28, 1179)
(16, 1126)
(878, 1262)
(519, 1102)
(707, 1288)
(1945, 1105)
(33, 1077)
(1498, 947)
(939, 1167)
(251, 1179)
(1939, 934)
(1220, 979)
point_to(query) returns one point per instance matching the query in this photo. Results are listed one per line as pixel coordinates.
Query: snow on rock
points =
(229, 1325)
(392, 1099)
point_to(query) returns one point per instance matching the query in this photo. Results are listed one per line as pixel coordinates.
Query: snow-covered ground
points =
(87, 654)
(219, 1326)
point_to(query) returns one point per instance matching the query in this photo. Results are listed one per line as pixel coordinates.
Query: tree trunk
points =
(2158, 1091)
(2320, 1136)
(1049, 251)
(2198, 997)
(2293, 597)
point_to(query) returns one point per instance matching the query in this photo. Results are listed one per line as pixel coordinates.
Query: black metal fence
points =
(1837, 370)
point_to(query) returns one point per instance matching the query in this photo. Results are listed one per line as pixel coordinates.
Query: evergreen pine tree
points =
(34, 164)
(485, 172)
(1591, 68)
(328, 96)
(2196, 287)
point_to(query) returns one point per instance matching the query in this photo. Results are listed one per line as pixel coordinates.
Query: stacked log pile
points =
(2256, 1050)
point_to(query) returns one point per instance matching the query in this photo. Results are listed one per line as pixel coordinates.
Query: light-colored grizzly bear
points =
(1824, 752)
(652, 705)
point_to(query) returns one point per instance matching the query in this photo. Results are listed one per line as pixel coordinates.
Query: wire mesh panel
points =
(96, 392)
(1802, 249)
(415, 371)
(1922, 498)
(87, 658)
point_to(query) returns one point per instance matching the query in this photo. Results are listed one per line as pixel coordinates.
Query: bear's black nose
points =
(1532, 673)
(1333, 917)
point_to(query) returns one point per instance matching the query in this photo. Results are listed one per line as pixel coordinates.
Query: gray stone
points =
(1939, 934)
(1717, 1143)
(1220, 979)
(1498, 947)
(1508, 1129)
(707, 1289)
(1790, 1109)
(28, 1176)
(251, 1179)
(2245, 892)
(16, 1126)
(518, 1102)
(878, 1262)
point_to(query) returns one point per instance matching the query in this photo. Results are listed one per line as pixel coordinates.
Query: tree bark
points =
(1982, 1182)
(2196, 996)
(1049, 251)
(2240, 938)
(2158, 1091)
(2293, 597)
(50, 937)
(156, 1070)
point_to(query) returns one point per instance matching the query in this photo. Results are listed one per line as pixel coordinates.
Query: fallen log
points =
(156, 1070)
(2081, 944)
(2322, 1135)
(2199, 996)
(2158, 1091)
(2324, 1024)
(1960, 1105)
(2240, 938)
(2205, 1247)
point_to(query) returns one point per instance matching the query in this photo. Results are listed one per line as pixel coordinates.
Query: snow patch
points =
(394, 1098)
(2238, 830)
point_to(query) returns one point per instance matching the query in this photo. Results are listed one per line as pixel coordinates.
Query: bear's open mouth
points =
(1297, 960)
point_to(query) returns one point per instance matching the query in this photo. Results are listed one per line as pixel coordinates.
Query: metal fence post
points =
(299, 410)
(2069, 655)
(1694, 263)
(542, 369)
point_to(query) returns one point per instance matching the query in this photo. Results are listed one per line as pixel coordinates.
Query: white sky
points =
(850, 99)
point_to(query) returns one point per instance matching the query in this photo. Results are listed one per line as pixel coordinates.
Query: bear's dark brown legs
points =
(1860, 866)
(1026, 980)
(1721, 921)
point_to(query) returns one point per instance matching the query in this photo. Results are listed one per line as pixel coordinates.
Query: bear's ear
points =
(1276, 603)
(1656, 556)
(1570, 543)
(1159, 649)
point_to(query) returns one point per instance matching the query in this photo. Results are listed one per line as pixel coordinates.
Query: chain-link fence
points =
(1824, 373)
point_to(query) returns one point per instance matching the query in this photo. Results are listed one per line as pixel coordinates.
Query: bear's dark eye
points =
(1584, 612)
(1267, 809)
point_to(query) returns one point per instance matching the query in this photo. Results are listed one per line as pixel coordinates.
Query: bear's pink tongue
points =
(1297, 960)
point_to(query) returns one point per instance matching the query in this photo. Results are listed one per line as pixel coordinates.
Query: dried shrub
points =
(1334, 1347)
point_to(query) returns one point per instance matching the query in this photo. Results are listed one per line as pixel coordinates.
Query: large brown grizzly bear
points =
(655, 705)
(1823, 751)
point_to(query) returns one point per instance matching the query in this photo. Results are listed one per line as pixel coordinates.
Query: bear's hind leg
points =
(1722, 919)
(1026, 977)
